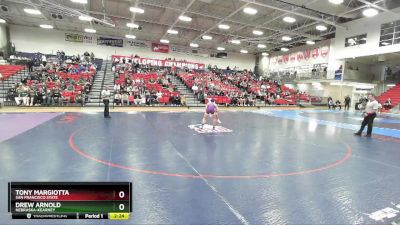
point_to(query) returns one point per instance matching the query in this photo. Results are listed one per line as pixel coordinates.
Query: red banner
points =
(292, 57)
(325, 51)
(315, 53)
(300, 56)
(156, 47)
(285, 58)
(163, 62)
(307, 54)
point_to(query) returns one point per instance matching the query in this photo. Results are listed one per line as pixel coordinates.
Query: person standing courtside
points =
(369, 115)
(105, 95)
(347, 101)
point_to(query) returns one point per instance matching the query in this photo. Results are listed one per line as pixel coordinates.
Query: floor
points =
(258, 167)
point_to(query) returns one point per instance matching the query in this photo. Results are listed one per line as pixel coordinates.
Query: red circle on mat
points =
(164, 173)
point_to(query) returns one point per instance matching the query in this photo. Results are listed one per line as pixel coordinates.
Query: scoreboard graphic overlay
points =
(66, 200)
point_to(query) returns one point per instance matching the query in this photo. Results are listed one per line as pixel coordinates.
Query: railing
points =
(102, 82)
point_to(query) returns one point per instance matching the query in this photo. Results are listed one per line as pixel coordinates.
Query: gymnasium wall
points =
(324, 90)
(30, 39)
(369, 26)
(3, 37)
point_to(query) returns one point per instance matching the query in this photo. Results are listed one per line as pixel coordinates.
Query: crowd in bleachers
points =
(60, 81)
(144, 85)
(239, 88)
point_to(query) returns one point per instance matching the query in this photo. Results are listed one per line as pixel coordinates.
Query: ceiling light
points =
(221, 49)
(136, 10)
(194, 45)
(79, 1)
(310, 42)
(172, 31)
(165, 41)
(130, 36)
(32, 11)
(261, 46)
(284, 49)
(89, 30)
(289, 19)
(224, 26)
(264, 54)
(391, 85)
(85, 18)
(250, 11)
(46, 26)
(258, 32)
(336, 2)
(370, 12)
(236, 42)
(321, 27)
(132, 25)
(185, 18)
(244, 51)
(2, 21)
(385, 43)
(286, 38)
(206, 37)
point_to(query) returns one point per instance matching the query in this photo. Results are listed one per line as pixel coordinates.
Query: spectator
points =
(138, 99)
(131, 98)
(338, 104)
(347, 101)
(388, 104)
(80, 98)
(331, 105)
(125, 99)
(117, 98)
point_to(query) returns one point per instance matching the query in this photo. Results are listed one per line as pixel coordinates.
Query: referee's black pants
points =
(106, 107)
(368, 120)
(346, 106)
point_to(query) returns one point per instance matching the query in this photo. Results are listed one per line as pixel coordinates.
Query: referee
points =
(105, 95)
(369, 115)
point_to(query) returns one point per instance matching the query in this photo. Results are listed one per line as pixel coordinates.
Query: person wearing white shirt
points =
(369, 115)
(105, 95)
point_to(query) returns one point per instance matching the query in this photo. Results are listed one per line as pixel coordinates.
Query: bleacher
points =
(150, 82)
(9, 70)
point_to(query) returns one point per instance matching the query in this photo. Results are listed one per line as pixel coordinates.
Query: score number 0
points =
(121, 194)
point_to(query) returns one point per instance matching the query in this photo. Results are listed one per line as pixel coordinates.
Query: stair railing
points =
(102, 82)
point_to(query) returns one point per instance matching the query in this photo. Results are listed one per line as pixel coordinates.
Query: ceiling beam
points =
(177, 19)
(374, 5)
(277, 17)
(316, 22)
(52, 6)
(221, 21)
(293, 12)
(220, 18)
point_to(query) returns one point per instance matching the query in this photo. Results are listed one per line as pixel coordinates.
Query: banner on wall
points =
(300, 56)
(114, 42)
(315, 53)
(292, 57)
(71, 37)
(163, 62)
(324, 51)
(138, 44)
(156, 47)
(307, 54)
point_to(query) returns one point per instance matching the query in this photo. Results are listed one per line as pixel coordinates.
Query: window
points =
(390, 33)
(356, 40)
